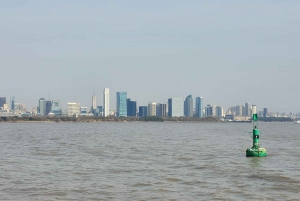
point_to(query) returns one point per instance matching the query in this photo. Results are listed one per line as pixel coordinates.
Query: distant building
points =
(42, 107)
(143, 111)
(12, 103)
(2, 101)
(188, 106)
(73, 109)
(151, 109)
(247, 109)
(131, 108)
(98, 111)
(48, 106)
(219, 112)
(106, 102)
(161, 110)
(265, 112)
(121, 104)
(209, 111)
(175, 105)
(56, 108)
(239, 110)
(84, 111)
(94, 104)
(199, 107)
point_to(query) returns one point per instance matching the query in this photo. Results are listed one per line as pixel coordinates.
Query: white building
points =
(106, 102)
(151, 109)
(73, 109)
(94, 105)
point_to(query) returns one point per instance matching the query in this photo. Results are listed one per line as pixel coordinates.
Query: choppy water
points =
(147, 161)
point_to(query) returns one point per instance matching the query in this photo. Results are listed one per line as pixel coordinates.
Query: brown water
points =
(147, 161)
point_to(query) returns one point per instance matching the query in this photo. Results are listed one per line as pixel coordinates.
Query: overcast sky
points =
(229, 52)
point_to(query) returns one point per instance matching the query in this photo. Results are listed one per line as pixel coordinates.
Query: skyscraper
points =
(131, 108)
(199, 107)
(151, 109)
(219, 112)
(2, 101)
(121, 109)
(12, 103)
(161, 110)
(42, 107)
(247, 109)
(188, 106)
(143, 111)
(175, 105)
(209, 110)
(56, 108)
(94, 104)
(265, 114)
(106, 102)
(48, 106)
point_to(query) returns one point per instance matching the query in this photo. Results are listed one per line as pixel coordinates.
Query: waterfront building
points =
(265, 112)
(143, 111)
(56, 108)
(73, 109)
(161, 110)
(175, 105)
(121, 104)
(94, 104)
(209, 111)
(219, 112)
(239, 110)
(42, 106)
(12, 103)
(199, 107)
(106, 102)
(188, 106)
(131, 108)
(2, 101)
(98, 111)
(48, 106)
(247, 109)
(84, 111)
(151, 109)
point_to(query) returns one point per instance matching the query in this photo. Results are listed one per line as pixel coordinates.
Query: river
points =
(147, 161)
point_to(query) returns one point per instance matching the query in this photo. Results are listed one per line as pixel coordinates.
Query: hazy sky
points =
(229, 52)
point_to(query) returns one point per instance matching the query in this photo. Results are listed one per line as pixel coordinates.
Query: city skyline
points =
(227, 52)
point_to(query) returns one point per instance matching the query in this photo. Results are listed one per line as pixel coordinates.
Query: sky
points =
(228, 52)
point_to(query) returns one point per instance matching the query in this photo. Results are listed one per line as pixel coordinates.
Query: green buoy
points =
(255, 150)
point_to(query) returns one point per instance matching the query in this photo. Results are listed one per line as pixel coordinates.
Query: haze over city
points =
(228, 52)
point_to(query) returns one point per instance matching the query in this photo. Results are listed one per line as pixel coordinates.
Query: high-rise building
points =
(209, 111)
(199, 107)
(219, 112)
(56, 108)
(143, 111)
(73, 109)
(161, 110)
(239, 110)
(265, 112)
(106, 102)
(188, 106)
(175, 105)
(151, 109)
(121, 104)
(131, 108)
(12, 103)
(48, 106)
(2, 101)
(94, 104)
(42, 107)
(247, 109)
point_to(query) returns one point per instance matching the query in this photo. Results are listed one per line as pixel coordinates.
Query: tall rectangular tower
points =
(121, 104)
(106, 102)
(94, 106)
(199, 107)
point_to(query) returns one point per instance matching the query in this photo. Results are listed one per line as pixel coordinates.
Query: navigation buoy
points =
(255, 150)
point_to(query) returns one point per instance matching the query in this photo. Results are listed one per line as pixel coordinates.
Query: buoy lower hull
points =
(260, 152)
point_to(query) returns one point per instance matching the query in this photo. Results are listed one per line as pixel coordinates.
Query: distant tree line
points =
(105, 119)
